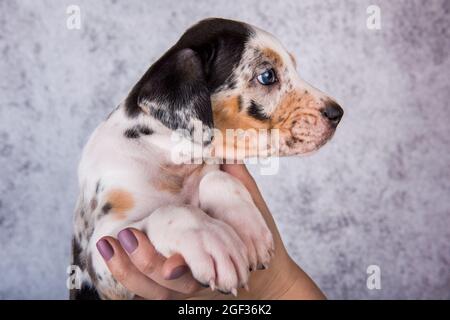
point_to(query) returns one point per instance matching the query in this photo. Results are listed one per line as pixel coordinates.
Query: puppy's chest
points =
(179, 180)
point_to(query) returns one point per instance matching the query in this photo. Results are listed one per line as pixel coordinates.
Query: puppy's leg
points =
(225, 198)
(212, 249)
(104, 208)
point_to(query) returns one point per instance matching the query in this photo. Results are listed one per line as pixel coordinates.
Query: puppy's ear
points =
(174, 91)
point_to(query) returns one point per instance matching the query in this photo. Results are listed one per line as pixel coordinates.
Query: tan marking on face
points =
(273, 56)
(227, 116)
(120, 200)
(302, 127)
(295, 107)
(292, 104)
(297, 117)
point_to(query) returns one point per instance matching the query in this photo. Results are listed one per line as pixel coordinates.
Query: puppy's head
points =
(230, 75)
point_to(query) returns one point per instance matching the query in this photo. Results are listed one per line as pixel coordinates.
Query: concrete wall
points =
(377, 194)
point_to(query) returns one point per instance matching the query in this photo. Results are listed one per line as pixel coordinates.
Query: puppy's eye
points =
(267, 77)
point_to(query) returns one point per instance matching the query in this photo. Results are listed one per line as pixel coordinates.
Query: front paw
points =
(215, 254)
(257, 237)
(225, 198)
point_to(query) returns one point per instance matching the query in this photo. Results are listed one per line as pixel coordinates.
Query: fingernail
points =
(178, 272)
(105, 249)
(127, 240)
(261, 267)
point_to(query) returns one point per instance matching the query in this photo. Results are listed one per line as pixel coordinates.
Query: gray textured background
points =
(377, 194)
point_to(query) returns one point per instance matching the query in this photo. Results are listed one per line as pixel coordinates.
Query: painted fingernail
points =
(127, 240)
(178, 272)
(261, 267)
(105, 249)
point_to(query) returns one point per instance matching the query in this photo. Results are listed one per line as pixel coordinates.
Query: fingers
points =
(172, 273)
(127, 274)
(174, 267)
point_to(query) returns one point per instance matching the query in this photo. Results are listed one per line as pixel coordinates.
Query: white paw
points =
(226, 198)
(214, 252)
(252, 229)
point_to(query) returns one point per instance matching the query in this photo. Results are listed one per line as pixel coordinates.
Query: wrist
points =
(286, 281)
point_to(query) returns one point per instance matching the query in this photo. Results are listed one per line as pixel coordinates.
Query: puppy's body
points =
(217, 76)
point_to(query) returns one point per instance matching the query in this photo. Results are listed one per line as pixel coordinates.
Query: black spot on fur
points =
(136, 131)
(97, 187)
(239, 101)
(85, 293)
(144, 130)
(106, 207)
(292, 141)
(131, 133)
(231, 84)
(78, 259)
(257, 111)
(89, 232)
(90, 269)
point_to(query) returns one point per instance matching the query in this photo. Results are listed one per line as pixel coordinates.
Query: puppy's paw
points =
(225, 198)
(252, 229)
(213, 251)
(217, 256)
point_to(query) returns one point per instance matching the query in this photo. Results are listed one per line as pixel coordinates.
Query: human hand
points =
(138, 266)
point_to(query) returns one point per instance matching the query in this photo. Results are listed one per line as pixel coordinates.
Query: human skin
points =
(136, 264)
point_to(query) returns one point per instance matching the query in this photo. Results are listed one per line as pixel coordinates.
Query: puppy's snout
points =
(333, 112)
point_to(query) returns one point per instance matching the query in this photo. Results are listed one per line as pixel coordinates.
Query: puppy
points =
(220, 75)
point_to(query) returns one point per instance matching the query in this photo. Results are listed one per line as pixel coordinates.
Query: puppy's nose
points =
(333, 112)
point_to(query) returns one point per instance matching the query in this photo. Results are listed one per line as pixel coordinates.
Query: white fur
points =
(232, 237)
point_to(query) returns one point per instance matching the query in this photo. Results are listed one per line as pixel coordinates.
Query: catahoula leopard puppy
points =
(223, 75)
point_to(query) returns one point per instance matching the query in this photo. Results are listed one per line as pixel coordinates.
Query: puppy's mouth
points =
(305, 137)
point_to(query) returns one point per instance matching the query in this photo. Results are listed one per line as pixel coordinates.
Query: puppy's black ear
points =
(174, 91)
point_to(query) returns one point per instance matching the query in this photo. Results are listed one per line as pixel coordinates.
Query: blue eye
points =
(267, 77)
